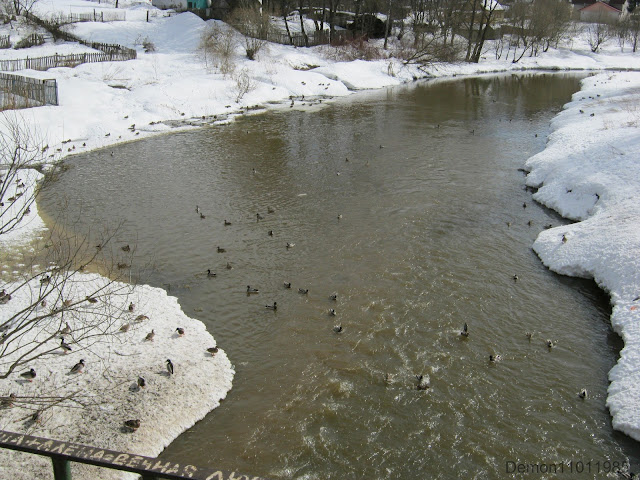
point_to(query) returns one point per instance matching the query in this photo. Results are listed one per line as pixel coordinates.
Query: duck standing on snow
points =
(169, 366)
(180, 331)
(64, 345)
(78, 367)
(29, 375)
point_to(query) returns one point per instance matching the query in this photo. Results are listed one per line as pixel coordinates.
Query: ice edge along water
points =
(589, 173)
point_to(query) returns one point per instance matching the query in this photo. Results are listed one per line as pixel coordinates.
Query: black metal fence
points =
(17, 91)
(63, 453)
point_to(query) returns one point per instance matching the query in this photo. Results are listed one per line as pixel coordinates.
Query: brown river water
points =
(425, 178)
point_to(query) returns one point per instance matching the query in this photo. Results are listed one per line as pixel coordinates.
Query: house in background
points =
(600, 12)
(217, 8)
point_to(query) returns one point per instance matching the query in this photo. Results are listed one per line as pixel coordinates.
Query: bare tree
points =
(597, 34)
(255, 26)
(54, 302)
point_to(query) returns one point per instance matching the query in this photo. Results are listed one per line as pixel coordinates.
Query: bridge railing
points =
(63, 453)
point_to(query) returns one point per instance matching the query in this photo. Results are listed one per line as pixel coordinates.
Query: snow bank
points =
(166, 406)
(590, 172)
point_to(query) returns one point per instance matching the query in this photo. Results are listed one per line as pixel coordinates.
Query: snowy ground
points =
(107, 103)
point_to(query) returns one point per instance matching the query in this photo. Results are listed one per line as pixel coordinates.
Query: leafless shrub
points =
(244, 84)
(255, 26)
(217, 45)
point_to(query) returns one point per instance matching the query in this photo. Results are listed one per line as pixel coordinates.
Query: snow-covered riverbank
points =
(108, 103)
(590, 173)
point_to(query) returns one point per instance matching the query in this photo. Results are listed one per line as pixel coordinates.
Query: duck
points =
(221, 250)
(91, 299)
(339, 216)
(212, 350)
(229, 266)
(272, 307)
(550, 344)
(126, 248)
(210, 273)
(582, 393)
(78, 367)
(29, 375)
(465, 330)
(259, 217)
(132, 425)
(141, 382)
(529, 335)
(290, 245)
(287, 284)
(423, 382)
(303, 291)
(132, 306)
(150, 336)
(494, 358)
(251, 290)
(180, 331)
(515, 278)
(45, 280)
(564, 239)
(64, 345)
(332, 312)
(227, 223)
(141, 318)
(197, 209)
(524, 205)
(125, 328)
(337, 328)
(202, 216)
(270, 233)
(66, 330)
(333, 296)
(169, 366)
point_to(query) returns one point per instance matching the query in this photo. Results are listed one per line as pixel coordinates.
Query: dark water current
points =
(422, 247)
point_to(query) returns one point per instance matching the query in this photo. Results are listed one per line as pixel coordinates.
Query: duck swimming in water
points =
(272, 307)
(210, 273)
(465, 330)
(251, 290)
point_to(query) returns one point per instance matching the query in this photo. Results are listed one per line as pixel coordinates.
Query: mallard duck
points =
(529, 335)
(259, 217)
(66, 330)
(125, 328)
(202, 217)
(303, 291)
(465, 330)
(29, 375)
(550, 344)
(221, 250)
(251, 290)
(333, 296)
(91, 299)
(583, 393)
(270, 233)
(290, 245)
(339, 216)
(212, 350)
(132, 306)
(337, 328)
(272, 307)
(64, 345)
(150, 336)
(45, 280)
(332, 312)
(422, 382)
(126, 248)
(169, 367)
(141, 318)
(564, 239)
(210, 273)
(180, 331)
(78, 367)
(515, 278)
(141, 382)
(227, 222)
(494, 358)
(229, 266)
(7, 402)
(132, 425)
(287, 284)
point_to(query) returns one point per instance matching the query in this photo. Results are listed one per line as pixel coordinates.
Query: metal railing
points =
(63, 453)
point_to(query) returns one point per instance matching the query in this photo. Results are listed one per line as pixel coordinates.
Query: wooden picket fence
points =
(64, 19)
(72, 60)
(5, 42)
(17, 91)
